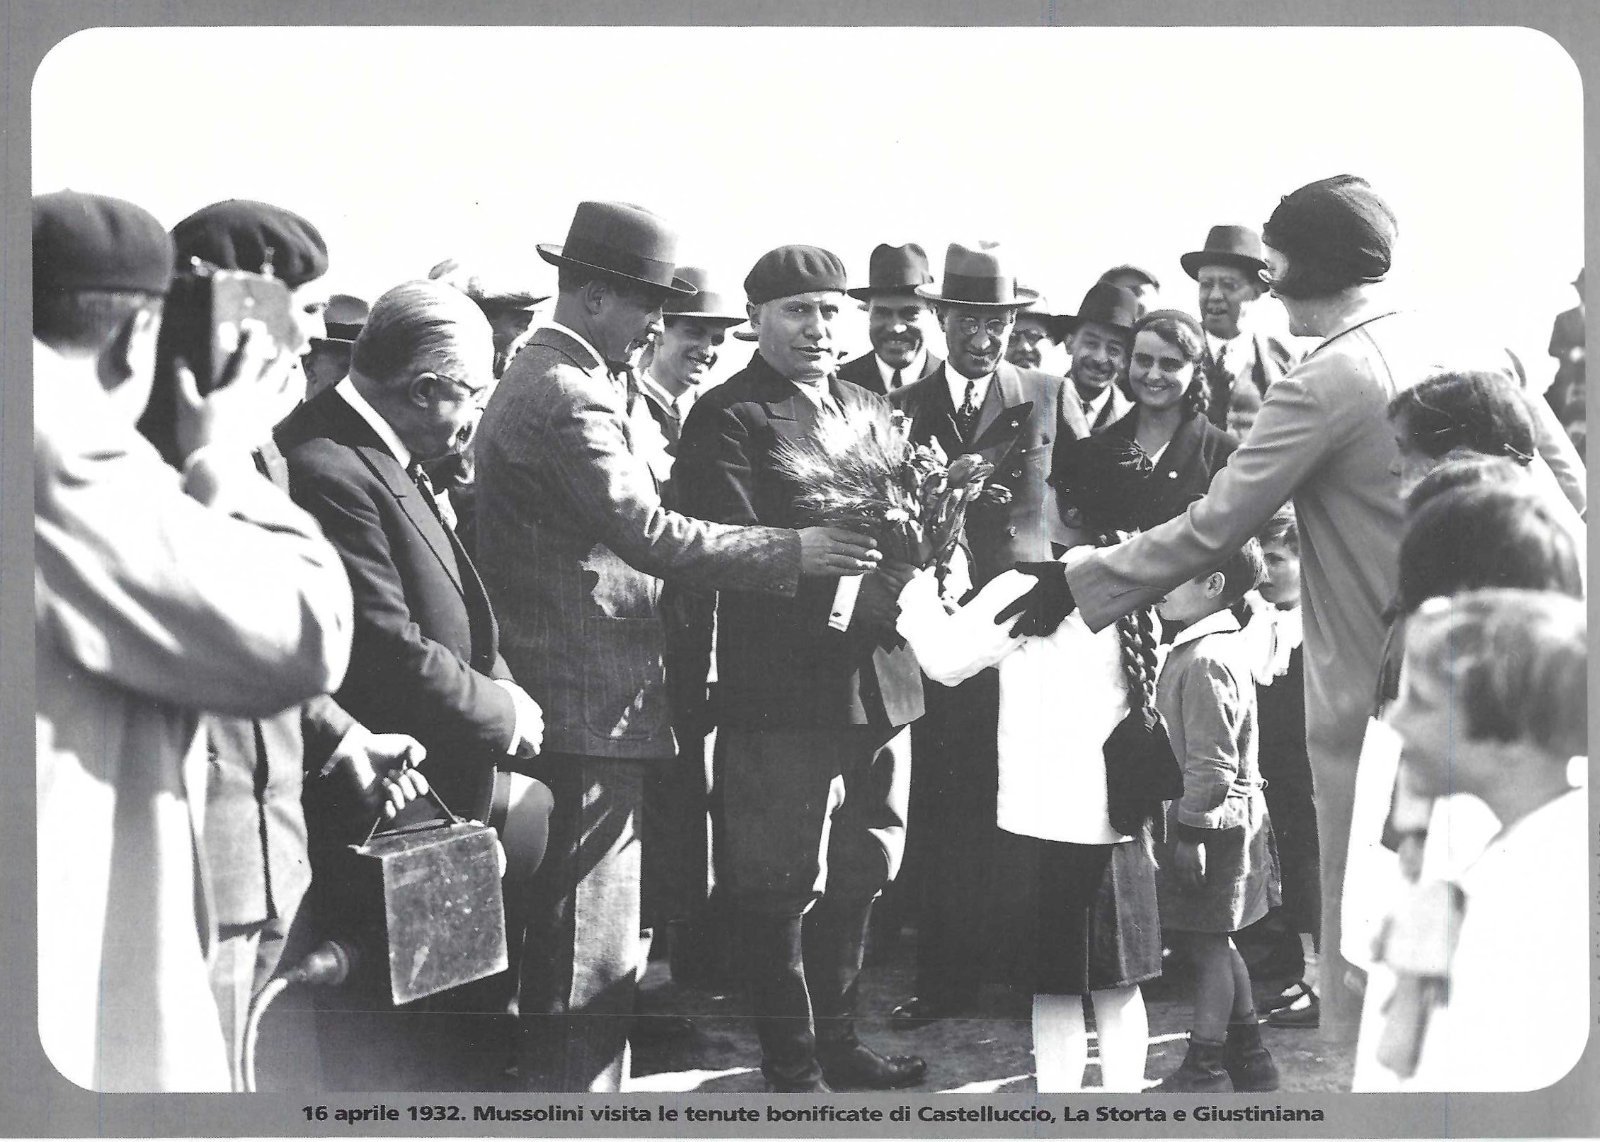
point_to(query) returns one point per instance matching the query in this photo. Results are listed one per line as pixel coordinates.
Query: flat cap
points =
(251, 236)
(789, 270)
(89, 241)
(1338, 228)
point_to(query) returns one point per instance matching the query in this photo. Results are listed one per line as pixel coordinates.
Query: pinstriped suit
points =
(574, 541)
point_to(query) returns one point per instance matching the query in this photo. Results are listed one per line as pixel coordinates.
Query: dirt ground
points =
(991, 1054)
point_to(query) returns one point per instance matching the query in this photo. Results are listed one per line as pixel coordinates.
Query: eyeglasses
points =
(474, 392)
(994, 327)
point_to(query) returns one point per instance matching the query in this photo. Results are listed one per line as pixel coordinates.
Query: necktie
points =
(622, 374)
(444, 512)
(1088, 409)
(896, 381)
(967, 416)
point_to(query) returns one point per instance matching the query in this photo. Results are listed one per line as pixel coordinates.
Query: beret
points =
(1338, 229)
(789, 270)
(243, 235)
(89, 241)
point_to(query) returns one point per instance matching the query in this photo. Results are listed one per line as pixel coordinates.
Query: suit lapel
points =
(1180, 451)
(1004, 393)
(931, 365)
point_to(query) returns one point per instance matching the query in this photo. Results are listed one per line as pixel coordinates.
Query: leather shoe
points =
(917, 1011)
(856, 1066)
(816, 1086)
(1304, 1017)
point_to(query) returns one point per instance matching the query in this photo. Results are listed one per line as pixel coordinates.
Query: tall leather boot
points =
(1248, 1062)
(835, 941)
(776, 977)
(1201, 1072)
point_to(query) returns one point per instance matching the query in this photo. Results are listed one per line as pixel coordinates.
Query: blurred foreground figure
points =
(157, 595)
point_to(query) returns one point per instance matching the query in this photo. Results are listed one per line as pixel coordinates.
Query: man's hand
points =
(833, 551)
(1041, 610)
(258, 388)
(878, 605)
(383, 770)
(529, 719)
(1189, 864)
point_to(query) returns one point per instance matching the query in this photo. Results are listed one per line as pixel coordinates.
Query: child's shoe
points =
(1247, 1060)
(1202, 1071)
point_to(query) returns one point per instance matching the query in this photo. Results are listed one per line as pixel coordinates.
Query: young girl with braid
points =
(1078, 902)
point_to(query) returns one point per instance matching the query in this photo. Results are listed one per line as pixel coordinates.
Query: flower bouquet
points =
(860, 470)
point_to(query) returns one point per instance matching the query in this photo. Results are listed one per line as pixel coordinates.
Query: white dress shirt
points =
(579, 338)
(958, 387)
(908, 373)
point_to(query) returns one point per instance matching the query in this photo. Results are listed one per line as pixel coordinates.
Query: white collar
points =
(1218, 622)
(1547, 821)
(352, 397)
(908, 373)
(678, 405)
(819, 395)
(579, 338)
(1219, 346)
(1098, 403)
(958, 386)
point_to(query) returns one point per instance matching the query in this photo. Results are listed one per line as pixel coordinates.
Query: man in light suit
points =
(426, 659)
(157, 596)
(1322, 439)
(575, 544)
(810, 719)
(1011, 417)
(1228, 269)
(899, 322)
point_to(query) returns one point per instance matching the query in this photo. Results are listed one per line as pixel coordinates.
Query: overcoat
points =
(779, 664)
(150, 605)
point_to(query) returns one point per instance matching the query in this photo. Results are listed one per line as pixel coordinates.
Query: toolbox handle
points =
(437, 800)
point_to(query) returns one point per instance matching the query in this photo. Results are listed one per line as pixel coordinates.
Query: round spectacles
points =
(994, 326)
(474, 392)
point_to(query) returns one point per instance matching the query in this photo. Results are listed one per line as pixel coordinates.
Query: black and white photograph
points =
(1043, 563)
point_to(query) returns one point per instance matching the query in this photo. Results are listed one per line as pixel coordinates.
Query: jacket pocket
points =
(624, 679)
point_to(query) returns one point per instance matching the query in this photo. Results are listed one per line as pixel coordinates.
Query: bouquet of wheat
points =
(860, 470)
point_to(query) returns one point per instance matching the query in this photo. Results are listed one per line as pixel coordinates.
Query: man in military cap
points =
(814, 796)
(158, 596)
(1228, 269)
(899, 322)
(574, 543)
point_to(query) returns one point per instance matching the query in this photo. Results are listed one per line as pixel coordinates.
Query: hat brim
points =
(715, 318)
(866, 293)
(551, 252)
(1024, 297)
(1070, 323)
(1192, 261)
(337, 331)
(746, 335)
(512, 300)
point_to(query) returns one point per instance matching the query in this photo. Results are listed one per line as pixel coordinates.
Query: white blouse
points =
(1060, 697)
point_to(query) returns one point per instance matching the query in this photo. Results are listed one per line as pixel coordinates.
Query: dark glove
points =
(1041, 610)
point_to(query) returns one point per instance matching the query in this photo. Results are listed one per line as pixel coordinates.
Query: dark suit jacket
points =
(779, 664)
(863, 371)
(1272, 360)
(426, 648)
(575, 542)
(1004, 535)
(1194, 455)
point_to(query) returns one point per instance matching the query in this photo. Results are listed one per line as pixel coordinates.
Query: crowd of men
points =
(431, 547)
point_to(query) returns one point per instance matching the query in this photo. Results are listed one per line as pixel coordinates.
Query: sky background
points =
(1076, 148)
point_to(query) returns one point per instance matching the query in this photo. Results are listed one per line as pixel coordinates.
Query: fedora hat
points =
(1056, 324)
(1106, 304)
(978, 278)
(705, 303)
(344, 317)
(1226, 246)
(622, 241)
(894, 269)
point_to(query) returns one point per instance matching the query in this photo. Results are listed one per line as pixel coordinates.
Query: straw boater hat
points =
(490, 292)
(705, 303)
(1227, 246)
(978, 278)
(622, 241)
(894, 269)
(344, 317)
